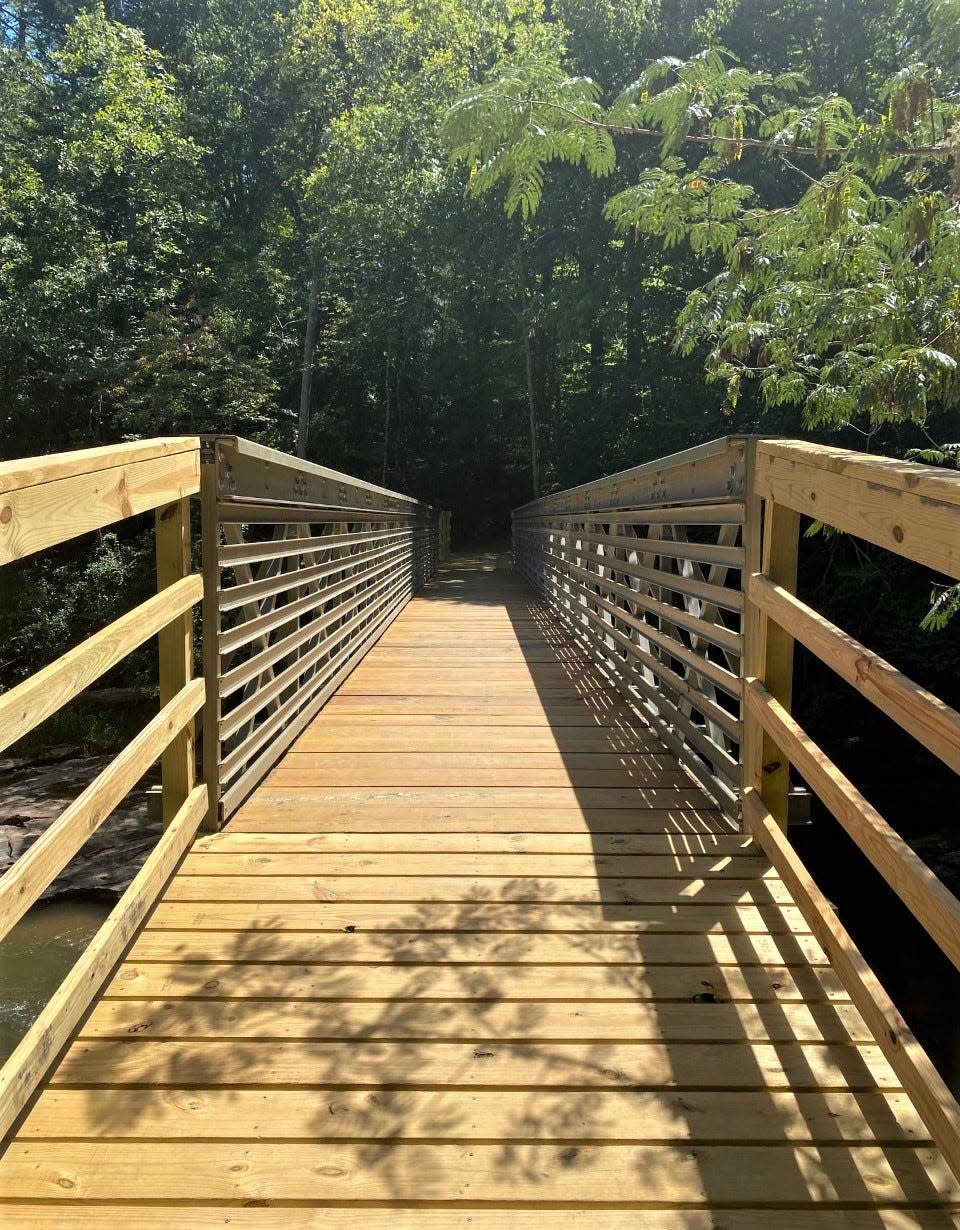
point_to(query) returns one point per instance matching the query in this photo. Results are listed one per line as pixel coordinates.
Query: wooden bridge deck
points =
(477, 953)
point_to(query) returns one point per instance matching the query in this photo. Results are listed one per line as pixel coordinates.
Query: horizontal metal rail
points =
(304, 568)
(645, 567)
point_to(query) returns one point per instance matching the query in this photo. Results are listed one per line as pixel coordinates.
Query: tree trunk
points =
(532, 406)
(530, 366)
(306, 374)
(386, 419)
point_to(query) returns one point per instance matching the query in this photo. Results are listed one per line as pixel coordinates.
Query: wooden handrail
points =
(49, 500)
(45, 501)
(912, 511)
(342, 558)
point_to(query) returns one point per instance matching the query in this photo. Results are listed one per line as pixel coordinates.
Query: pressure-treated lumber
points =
(921, 714)
(928, 899)
(453, 1000)
(68, 501)
(29, 1062)
(28, 704)
(908, 509)
(175, 649)
(50, 853)
(104, 1217)
(934, 1101)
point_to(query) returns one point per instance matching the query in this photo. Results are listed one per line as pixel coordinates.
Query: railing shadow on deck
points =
(775, 1037)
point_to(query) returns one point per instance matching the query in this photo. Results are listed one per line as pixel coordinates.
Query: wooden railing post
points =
(771, 539)
(210, 569)
(177, 764)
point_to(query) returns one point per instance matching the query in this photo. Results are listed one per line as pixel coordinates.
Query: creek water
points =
(36, 956)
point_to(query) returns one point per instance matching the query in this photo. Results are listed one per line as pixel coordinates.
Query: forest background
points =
(251, 215)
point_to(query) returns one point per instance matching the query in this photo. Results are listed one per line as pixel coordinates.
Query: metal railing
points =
(303, 570)
(645, 568)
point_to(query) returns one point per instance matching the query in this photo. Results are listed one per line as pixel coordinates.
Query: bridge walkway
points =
(478, 952)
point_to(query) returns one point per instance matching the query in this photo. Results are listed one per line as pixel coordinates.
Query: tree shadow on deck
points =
(666, 1042)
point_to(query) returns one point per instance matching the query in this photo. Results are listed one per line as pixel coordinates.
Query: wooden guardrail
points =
(912, 511)
(304, 568)
(645, 567)
(49, 500)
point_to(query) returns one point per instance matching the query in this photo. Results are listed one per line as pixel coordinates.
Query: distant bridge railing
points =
(680, 577)
(303, 569)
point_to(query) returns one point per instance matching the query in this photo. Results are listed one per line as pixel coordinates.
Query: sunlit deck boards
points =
(477, 953)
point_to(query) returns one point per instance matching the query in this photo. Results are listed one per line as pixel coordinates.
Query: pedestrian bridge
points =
(480, 910)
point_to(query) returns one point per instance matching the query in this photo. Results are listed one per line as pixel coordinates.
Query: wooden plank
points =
(552, 866)
(623, 1116)
(175, 646)
(935, 1103)
(93, 1216)
(35, 517)
(509, 1023)
(924, 894)
(930, 482)
(357, 888)
(152, 984)
(681, 846)
(687, 916)
(591, 710)
(440, 737)
(28, 1064)
(374, 771)
(770, 773)
(917, 711)
(23, 883)
(209, 546)
(587, 1174)
(496, 1064)
(311, 811)
(28, 704)
(53, 467)
(874, 503)
(551, 797)
(471, 948)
